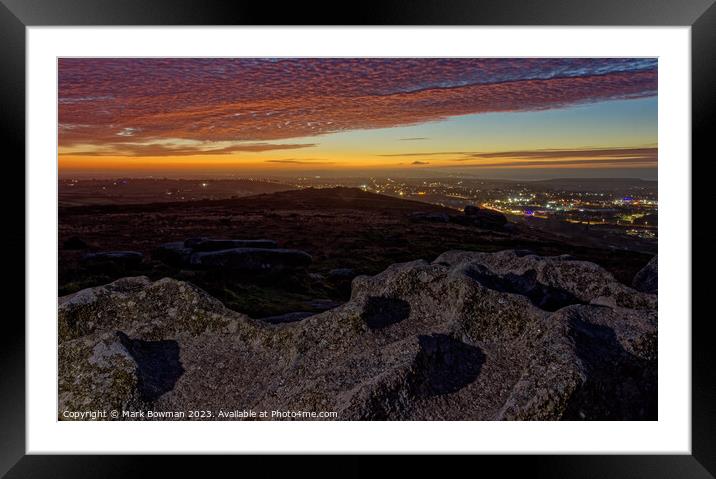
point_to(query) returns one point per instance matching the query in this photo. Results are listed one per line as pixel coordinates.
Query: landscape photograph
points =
(357, 239)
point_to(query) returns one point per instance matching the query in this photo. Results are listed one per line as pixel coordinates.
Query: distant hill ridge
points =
(343, 197)
(308, 198)
(594, 180)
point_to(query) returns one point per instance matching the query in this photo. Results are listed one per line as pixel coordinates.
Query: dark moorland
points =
(346, 231)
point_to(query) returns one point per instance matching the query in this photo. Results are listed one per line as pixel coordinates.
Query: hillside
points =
(127, 191)
(345, 231)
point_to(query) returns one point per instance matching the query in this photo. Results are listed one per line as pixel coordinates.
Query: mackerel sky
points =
(512, 115)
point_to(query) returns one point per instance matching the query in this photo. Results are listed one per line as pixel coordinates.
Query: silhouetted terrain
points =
(357, 239)
(346, 231)
(123, 191)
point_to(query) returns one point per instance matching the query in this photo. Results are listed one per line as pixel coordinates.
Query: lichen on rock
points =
(469, 336)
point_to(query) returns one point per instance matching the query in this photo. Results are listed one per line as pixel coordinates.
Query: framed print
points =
(416, 231)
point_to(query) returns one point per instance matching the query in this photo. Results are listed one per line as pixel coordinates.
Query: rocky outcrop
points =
(473, 216)
(208, 244)
(249, 256)
(647, 279)
(173, 254)
(259, 260)
(342, 273)
(484, 217)
(470, 336)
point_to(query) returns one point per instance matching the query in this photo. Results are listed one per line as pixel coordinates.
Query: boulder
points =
(471, 210)
(235, 254)
(174, 253)
(342, 273)
(470, 336)
(480, 217)
(647, 279)
(251, 259)
(207, 244)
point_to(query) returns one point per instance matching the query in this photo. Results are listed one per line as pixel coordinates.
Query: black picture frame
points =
(16, 15)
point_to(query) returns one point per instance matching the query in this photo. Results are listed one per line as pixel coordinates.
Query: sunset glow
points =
(186, 116)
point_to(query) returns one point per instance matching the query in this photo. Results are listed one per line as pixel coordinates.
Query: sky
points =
(492, 117)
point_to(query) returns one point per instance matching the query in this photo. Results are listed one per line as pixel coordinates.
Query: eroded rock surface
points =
(470, 336)
(247, 256)
(647, 279)
(473, 216)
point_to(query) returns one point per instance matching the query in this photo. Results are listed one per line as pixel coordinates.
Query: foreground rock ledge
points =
(474, 336)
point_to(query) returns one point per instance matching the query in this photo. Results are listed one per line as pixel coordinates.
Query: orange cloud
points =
(203, 148)
(135, 107)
